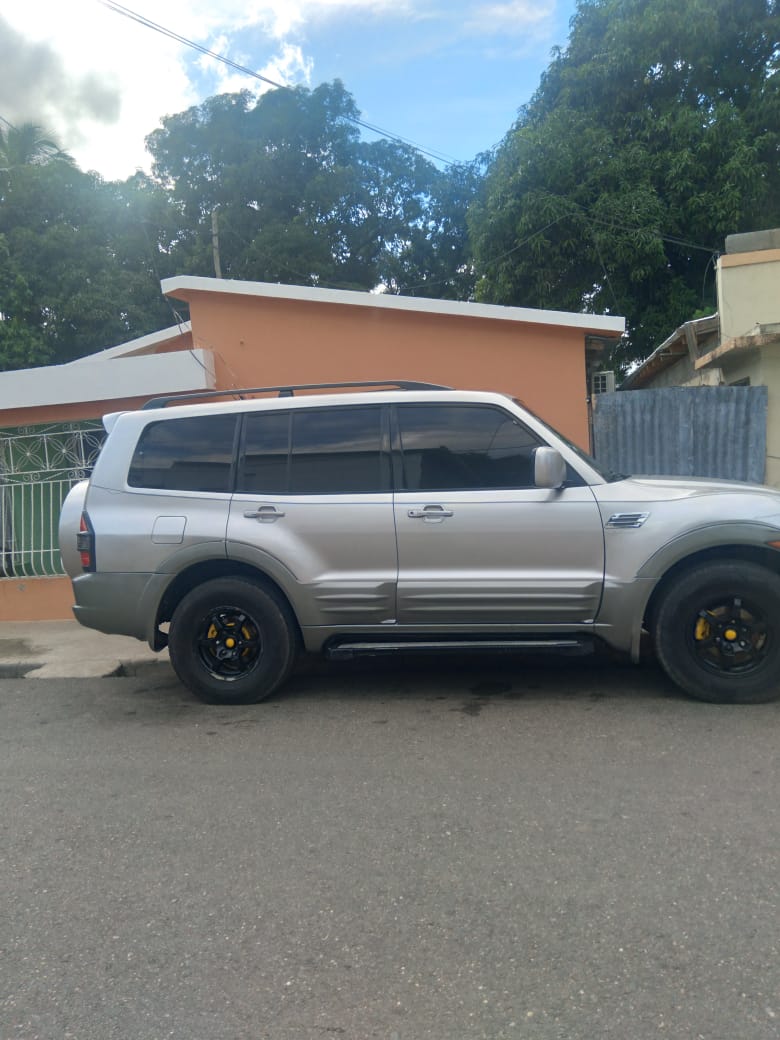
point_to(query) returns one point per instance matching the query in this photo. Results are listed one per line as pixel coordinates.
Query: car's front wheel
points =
(232, 641)
(717, 632)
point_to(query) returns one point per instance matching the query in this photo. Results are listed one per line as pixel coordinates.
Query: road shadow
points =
(469, 680)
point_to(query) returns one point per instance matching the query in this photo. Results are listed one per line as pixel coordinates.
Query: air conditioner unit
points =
(602, 383)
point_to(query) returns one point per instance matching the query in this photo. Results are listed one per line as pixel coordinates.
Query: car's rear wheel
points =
(717, 633)
(232, 641)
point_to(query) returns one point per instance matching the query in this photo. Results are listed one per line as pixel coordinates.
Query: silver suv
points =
(241, 532)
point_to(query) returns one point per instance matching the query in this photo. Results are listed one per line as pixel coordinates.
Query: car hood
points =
(751, 501)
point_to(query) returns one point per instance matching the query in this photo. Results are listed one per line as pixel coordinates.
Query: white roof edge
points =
(149, 375)
(136, 346)
(422, 305)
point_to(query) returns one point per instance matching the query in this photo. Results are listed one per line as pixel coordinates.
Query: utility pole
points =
(215, 242)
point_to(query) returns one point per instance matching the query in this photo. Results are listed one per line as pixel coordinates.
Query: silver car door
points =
(478, 544)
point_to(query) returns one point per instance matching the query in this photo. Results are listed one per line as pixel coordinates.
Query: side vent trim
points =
(627, 519)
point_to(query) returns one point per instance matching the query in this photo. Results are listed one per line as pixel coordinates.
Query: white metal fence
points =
(38, 466)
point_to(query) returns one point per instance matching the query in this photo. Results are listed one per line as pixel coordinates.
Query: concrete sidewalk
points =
(67, 650)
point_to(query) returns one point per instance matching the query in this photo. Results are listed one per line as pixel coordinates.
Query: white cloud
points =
(141, 71)
(514, 16)
(288, 67)
(101, 82)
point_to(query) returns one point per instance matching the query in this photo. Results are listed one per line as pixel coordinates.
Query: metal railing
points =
(38, 467)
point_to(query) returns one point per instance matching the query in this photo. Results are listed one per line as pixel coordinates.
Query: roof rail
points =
(289, 391)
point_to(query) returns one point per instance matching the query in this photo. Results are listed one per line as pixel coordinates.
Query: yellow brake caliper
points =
(702, 630)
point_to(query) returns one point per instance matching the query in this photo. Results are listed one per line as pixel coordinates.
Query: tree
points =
(80, 263)
(432, 256)
(299, 197)
(651, 137)
(22, 344)
(29, 145)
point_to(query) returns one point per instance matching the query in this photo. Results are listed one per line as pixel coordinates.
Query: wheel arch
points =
(730, 552)
(207, 570)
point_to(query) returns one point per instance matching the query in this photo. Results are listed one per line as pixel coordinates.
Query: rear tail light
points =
(85, 543)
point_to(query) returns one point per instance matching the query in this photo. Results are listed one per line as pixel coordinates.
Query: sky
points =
(446, 75)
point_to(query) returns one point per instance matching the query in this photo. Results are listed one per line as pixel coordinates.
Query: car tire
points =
(717, 633)
(232, 641)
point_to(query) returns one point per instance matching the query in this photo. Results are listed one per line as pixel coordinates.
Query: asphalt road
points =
(542, 851)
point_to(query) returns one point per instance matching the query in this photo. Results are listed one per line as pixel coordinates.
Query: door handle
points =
(431, 514)
(265, 514)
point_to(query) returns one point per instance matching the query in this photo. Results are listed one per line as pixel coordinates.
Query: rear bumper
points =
(110, 603)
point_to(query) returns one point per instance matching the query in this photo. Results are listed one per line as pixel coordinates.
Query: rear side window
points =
(324, 451)
(265, 462)
(464, 447)
(185, 454)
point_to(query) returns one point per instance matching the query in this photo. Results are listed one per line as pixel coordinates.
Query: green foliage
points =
(22, 345)
(300, 198)
(28, 145)
(655, 132)
(654, 135)
(79, 269)
(297, 195)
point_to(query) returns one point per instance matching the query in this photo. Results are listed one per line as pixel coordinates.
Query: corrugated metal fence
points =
(707, 431)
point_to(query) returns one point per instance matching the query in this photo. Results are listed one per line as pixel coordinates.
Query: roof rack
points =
(289, 391)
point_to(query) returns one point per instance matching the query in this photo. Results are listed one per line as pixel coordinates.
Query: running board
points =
(571, 647)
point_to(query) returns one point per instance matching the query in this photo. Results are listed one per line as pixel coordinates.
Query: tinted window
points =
(338, 451)
(334, 451)
(264, 466)
(185, 454)
(451, 448)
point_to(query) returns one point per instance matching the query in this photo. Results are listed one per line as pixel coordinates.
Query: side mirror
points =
(549, 468)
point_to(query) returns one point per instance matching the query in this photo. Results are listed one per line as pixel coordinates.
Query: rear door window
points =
(318, 451)
(265, 461)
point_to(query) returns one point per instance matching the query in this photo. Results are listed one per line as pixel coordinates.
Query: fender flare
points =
(751, 534)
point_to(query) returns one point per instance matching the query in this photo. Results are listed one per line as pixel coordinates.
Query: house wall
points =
(682, 373)
(10, 417)
(764, 367)
(677, 374)
(748, 291)
(36, 599)
(264, 342)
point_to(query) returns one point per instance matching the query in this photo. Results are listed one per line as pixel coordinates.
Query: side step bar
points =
(571, 647)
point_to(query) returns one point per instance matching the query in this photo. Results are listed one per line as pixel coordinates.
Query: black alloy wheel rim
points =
(229, 643)
(730, 636)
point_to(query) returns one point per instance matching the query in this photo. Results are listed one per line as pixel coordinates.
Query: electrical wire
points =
(118, 8)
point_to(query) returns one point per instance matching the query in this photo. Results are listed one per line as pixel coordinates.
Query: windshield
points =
(606, 474)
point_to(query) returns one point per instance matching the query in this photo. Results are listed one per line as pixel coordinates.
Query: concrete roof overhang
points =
(135, 370)
(185, 287)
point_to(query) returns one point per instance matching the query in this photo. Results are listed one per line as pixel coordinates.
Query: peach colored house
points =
(248, 334)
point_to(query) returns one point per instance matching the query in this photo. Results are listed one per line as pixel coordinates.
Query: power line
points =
(117, 8)
(588, 216)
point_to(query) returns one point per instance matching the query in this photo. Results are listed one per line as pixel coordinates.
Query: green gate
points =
(38, 466)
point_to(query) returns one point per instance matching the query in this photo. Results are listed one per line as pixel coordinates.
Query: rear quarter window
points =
(193, 454)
